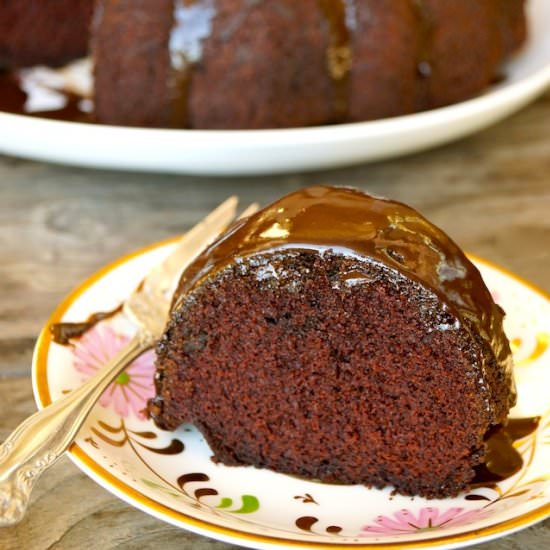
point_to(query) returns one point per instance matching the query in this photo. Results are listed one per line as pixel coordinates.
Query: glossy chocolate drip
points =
(13, 100)
(379, 230)
(502, 460)
(63, 333)
(339, 15)
(192, 24)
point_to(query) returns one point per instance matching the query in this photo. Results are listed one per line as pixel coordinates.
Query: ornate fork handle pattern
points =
(43, 437)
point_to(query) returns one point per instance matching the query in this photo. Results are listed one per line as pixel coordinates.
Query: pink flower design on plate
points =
(408, 521)
(133, 387)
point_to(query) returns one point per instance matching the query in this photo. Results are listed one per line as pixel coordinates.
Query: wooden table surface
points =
(490, 192)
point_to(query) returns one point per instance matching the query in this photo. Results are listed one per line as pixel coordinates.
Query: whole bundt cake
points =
(267, 63)
(340, 337)
(49, 32)
(284, 63)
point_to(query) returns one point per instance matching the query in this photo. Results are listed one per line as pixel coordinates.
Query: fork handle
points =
(43, 437)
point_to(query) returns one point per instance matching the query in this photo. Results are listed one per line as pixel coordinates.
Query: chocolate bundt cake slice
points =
(283, 63)
(340, 337)
(50, 32)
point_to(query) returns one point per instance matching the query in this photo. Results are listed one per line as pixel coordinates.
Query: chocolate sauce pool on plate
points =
(63, 333)
(502, 460)
(13, 99)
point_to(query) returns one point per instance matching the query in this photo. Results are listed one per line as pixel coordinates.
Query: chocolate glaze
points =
(339, 15)
(185, 49)
(63, 333)
(192, 25)
(502, 460)
(378, 230)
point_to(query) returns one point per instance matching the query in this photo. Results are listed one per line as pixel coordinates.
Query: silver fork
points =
(43, 437)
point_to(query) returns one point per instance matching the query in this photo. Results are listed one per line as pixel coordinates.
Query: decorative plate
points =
(170, 475)
(287, 150)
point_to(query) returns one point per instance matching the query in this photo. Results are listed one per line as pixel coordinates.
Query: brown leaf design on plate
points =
(190, 478)
(206, 491)
(144, 435)
(250, 503)
(175, 447)
(305, 523)
(306, 499)
(91, 441)
(110, 441)
(111, 429)
(476, 497)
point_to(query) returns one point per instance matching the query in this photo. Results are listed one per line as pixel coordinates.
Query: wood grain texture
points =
(490, 192)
